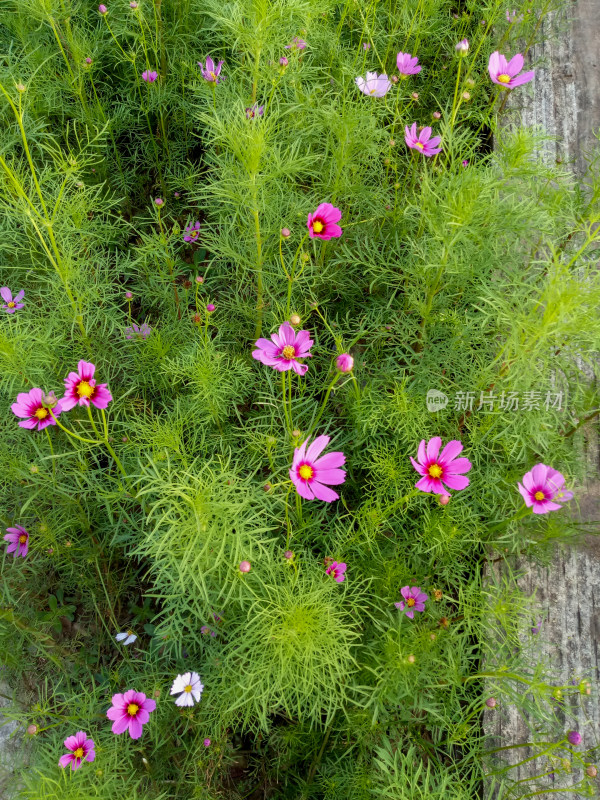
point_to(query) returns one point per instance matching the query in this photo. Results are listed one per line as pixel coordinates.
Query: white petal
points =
(131, 639)
(197, 692)
(179, 684)
(120, 636)
(184, 699)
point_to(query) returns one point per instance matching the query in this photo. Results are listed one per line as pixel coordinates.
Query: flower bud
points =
(574, 738)
(288, 554)
(88, 60)
(102, 9)
(415, 96)
(32, 730)
(21, 87)
(432, 636)
(283, 61)
(133, 5)
(210, 308)
(344, 362)
(386, 162)
(437, 595)
(286, 233)
(436, 115)
(206, 743)
(157, 693)
(305, 257)
(396, 186)
(462, 48)
(466, 96)
(470, 83)
(199, 279)
(271, 441)
(245, 566)
(295, 319)
(49, 400)
(296, 433)
(465, 163)
(411, 659)
(176, 195)
(128, 295)
(394, 79)
(197, 319)
(444, 499)
(591, 771)
(158, 201)
(491, 702)
(267, 487)
(34, 469)
(124, 439)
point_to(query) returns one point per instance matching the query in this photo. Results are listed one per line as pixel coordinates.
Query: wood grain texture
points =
(564, 100)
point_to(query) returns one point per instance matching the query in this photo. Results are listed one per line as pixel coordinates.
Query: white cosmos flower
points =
(188, 687)
(375, 85)
(127, 637)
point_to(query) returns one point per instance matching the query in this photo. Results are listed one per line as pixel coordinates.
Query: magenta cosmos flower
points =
(18, 541)
(344, 362)
(130, 711)
(414, 600)
(422, 141)
(211, 72)
(11, 304)
(191, 232)
(507, 73)
(312, 475)
(542, 489)
(337, 570)
(373, 85)
(82, 749)
(30, 406)
(322, 223)
(149, 75)
(439, 468)
(407, 64)
(286, 347)
(81, 389)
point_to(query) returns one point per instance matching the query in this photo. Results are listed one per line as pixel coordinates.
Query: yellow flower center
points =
(410, 602)
(11, 304)
(420, 145)
(78, 753)
(22, 538)
(41, 413)
(84, 389)
(539, 496)
(317, 225)
(213, 76)
(435, 471)
(187, 688)
(504, 78)
(288, 351)
(132, 709)
(306, 472)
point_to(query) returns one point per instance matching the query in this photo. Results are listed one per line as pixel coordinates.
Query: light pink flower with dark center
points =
(407, 64)
(439, 468)
(286, 347)
(507, 73)
(542, 489)
(322, 223)
(18, 541)
(81, 389)
(149, 75)
(211, 72)
(130, 711)
(373, 85)
(82, 749)
(192, 232)
(414, 600)
(422, 141)
(11, 304)
(312, 475)
(337, 570)
(30, 407)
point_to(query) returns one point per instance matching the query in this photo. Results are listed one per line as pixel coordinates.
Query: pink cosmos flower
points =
(438, 469)
(337, 570)
(189, 688)
(149, 75)
(82, 749)
(374, 85)
(414, 600)
(507, 73)
(191, 232)
(542, 489)
(344, 362)
(138, 331)
(11, 304)
(30, 406)
(81, 389)
(297, 44)
(18, 541)
(130, 711)
(322, 223)
(211, 72)
(310, 474)
(283, 352)
(254, 111)
(407, 64)
(422, 141)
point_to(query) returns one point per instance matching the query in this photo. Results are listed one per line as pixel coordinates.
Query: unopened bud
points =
(411, 659)
(199, 279)
(286, 233)
(296, 433)
(88, 60)
(295, 319)
(466, 96)
(415, 96)
(470, 83)
(344, 362)
(34, 469)
(436, 115)
(288, 554)
(21, 87)
(394, 79)
(444, 499)
(32, 730)
(267, 487)
(245, 566)
(591, 771)
(437, 594)
(158, 201)
(49, 400)
(305, 257)
(386, 162)
(462, 48)
(491, 702)
(392, 143)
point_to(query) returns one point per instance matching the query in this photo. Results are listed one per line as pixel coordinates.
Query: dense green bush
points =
(471, 273)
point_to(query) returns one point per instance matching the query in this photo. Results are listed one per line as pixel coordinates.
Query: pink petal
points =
(420, 469)
(102, 397)
(456, 481)
(135, 728)
(450, 452)
(458, 466)
(65, 760)
(525, 77)
(299, 369)
(6, 294)
(494, 64)
(515, 65)
(86, 370)
(303, 489)
(539, 474)
(421, 452)
(323, 493)
(433, 448)
(148, 704)
(317, 447)
(121, 724)
(410, 613)
(333, 477)
(330, 461)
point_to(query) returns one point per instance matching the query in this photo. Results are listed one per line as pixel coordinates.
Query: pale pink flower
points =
(81, 389)
(542, 489)
(374, 85)
(414, 600)
(286, 347)
(11, 304)
(18, 541)
(297, 44)
(322, 223)
(130, 711)
(422, 141)
(211, 73)
(149, 75)
(407, 64)
(189, 688)
(312, 475)
(82, 749)
(442, 468)
(507, 73)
